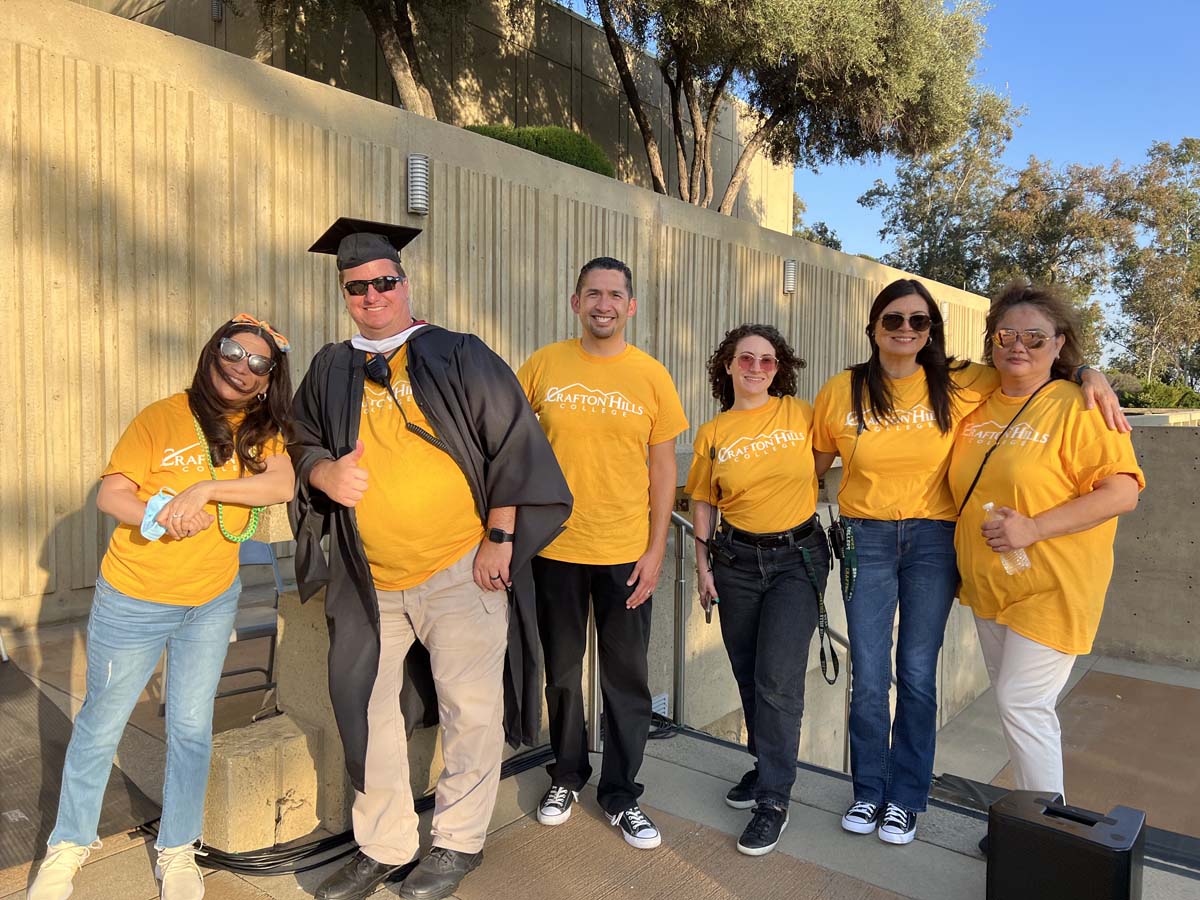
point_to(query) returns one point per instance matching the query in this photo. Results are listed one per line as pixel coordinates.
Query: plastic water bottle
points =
(1014, 561)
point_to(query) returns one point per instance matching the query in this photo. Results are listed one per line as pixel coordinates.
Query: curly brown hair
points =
(1055, 304)
(784, 384)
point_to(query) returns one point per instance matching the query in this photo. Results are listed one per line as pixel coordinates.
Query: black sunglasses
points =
(233, 352)
(895, 321)
(382, 285)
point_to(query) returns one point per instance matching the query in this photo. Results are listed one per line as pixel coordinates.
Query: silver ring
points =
(176, 515)
(494, 577)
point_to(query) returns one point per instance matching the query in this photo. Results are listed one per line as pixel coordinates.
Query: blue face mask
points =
(151, 530)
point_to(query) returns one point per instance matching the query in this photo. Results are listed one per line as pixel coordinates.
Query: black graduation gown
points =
(474, 403)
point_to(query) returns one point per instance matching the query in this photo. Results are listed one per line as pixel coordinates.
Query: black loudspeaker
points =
(1039, 849)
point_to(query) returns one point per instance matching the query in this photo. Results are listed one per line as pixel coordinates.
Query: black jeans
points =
(768, 612)
(563, 592)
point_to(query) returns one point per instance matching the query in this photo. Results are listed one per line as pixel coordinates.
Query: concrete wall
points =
(151, 186)
(553, 68)
(1152, 612)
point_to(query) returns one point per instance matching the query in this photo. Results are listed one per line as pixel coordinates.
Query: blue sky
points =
(1101, 80)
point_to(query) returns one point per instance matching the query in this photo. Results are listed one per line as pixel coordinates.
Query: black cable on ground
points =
(293, 859)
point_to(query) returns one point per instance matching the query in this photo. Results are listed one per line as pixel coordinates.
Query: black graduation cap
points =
(357, 241)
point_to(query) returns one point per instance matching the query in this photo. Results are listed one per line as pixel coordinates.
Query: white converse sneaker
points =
(58, 870)
(861, 818)
(179, 874)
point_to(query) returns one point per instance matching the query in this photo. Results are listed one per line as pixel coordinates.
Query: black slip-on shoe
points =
(439, 874)
(359, 877)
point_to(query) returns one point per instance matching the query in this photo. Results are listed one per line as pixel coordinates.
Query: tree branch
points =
(383, 23)
(681, 163)
(742, 169)
(710, 125)
(617, 49)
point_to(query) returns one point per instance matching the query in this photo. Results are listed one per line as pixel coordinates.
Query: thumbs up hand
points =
(342, 480)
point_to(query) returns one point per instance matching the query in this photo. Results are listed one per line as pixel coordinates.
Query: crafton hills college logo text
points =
(580, 396)
(753, 447)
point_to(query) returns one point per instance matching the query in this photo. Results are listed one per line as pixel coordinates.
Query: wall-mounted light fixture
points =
(218, 10)
(418, 184)
(789, 276)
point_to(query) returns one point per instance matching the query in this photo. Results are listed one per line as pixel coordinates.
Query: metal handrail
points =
(683, 528)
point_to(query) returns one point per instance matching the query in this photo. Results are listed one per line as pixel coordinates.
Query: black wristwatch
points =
(499, 536)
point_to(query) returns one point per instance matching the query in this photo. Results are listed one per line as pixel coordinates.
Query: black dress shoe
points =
(359, 877)
(439, 874)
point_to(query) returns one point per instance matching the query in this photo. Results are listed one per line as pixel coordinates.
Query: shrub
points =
(1156, 395)
(562, 144)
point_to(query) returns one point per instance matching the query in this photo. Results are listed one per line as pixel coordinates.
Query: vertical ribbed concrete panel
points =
(151, 187)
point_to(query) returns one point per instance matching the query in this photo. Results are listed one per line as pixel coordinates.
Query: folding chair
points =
(252, 622)
(260, 621)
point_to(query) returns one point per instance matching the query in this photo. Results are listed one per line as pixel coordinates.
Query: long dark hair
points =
(264, 419)
(784, 384)
(1055, 304)
(869, 386)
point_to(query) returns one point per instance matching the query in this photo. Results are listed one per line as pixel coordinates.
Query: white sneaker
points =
(58, 870)
(179, 874)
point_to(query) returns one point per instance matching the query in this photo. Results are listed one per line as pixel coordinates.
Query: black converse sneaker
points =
(766, 825)
(898, 825)
(741, 795)
(861, 817)
(637, 828)
(555, 807)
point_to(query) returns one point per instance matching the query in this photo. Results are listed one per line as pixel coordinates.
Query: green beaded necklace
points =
(255, 511)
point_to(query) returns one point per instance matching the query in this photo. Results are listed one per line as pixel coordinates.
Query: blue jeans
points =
(911, 564)
(768, 612)
(125, 639)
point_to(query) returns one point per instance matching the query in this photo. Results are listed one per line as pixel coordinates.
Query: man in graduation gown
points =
(418, 456)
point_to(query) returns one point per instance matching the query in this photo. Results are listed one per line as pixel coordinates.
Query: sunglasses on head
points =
(382, 285)
(895, 321)
(233, 352)
(1030, 338)
(747, 360)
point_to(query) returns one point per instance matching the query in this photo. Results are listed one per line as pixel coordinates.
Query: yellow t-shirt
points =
(896, 469)
(160, 449)
(1055, 453)
(418, 515)
(601, 414)
(756, 466)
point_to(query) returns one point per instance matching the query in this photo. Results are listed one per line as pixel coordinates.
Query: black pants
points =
(563, 591)
(768, 614)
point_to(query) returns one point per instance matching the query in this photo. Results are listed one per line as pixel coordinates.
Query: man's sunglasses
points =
(895, 321)
(233, 352)
(746, 362)
(1030, 339)
(382, 285)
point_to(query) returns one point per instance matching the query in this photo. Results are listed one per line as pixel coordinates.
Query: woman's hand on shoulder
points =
(1097, 392)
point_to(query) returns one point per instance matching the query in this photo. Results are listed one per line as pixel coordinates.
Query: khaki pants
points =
(465, 631)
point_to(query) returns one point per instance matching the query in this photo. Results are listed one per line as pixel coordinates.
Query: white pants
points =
(1027, 678)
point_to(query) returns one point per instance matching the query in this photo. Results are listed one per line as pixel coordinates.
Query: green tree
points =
(817, 232)
(1158, 282)
(822, 81)
(1064, 226)
(936, 213)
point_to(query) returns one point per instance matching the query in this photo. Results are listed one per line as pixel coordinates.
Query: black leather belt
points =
(775, 538)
